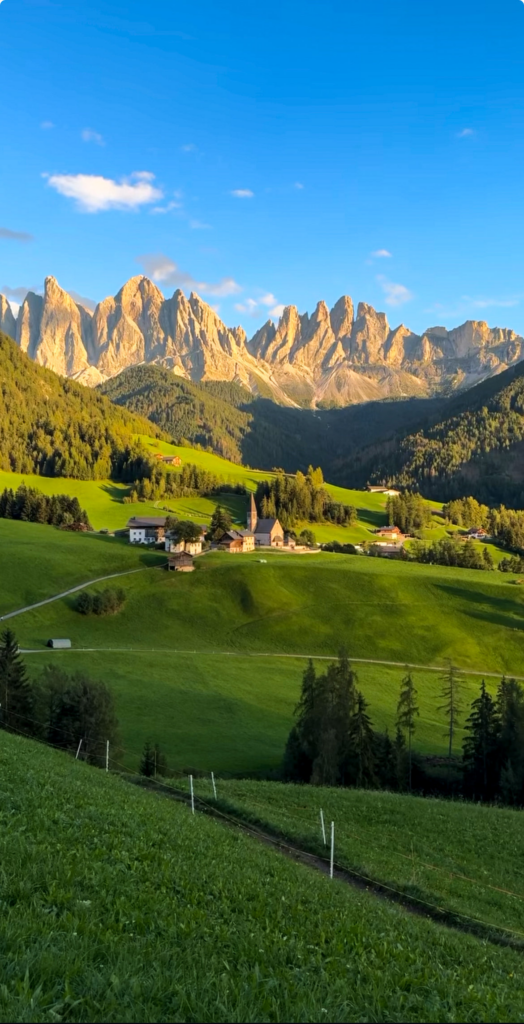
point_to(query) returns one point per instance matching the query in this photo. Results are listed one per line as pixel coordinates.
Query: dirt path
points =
(257, 654)
(72, 590)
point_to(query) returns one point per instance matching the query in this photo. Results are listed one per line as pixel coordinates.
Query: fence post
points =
(213, 781)
(332, 849)
(192, 794)
(78, 750)
(323, 827)
(107, 755)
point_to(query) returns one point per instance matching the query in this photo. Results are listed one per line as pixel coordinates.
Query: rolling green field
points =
(207, 664)
(462, 857)
(118, 905)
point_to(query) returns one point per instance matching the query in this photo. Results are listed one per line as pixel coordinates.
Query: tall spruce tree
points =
(510, 741)
(363, 743)
(480, 747)
(147, 763)
(16, 694)
(407, 712)
(386, 761)
(451, 692)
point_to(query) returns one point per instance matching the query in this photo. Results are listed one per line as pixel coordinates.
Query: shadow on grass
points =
(116, 493)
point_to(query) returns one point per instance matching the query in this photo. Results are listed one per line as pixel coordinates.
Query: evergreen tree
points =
(220, 523)
(363, 743)
(147, 764)
(407, 712)
(16, 695)
(510, 741)
(386, 761)
(160, 761)
(451, 686)
(480, 747)
(401, 764)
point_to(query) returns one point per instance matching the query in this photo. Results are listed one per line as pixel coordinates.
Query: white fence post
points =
(78, 750)
(107, 755)
(332, 849)
(214, 787)
(192, 794)
(323, 827)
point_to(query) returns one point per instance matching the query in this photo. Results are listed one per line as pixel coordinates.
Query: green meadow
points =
(119, 905)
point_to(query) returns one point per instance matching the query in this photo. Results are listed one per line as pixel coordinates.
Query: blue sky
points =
(266, 154)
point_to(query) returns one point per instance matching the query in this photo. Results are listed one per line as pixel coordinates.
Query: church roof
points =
(266, 525)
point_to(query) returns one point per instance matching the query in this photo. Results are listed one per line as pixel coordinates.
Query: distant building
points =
(390, 533)
(390, 491)
(477, 533)
(169, 460)
(59, 644)
(237, 541)
(268, 532)
(181, 562)
(174, 547)
(146, 529)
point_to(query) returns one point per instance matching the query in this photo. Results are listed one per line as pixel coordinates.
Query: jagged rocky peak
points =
(369, 334)
(7, 319)
(342, 317)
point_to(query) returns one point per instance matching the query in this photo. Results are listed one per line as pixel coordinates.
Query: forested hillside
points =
(55, 427)
(478, 448)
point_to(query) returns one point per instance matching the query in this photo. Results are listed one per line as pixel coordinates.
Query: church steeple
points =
(252, 516)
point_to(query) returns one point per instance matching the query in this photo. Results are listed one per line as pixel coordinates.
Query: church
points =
(267, 532)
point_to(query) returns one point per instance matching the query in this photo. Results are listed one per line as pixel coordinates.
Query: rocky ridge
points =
(330, 357)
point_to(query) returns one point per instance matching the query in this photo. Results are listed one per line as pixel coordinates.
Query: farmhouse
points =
(390, 491)
(237, 541)
(391, 533)
(146, 529)
(170, 460)
(268, 532)
(175, 547)
(181, 562)
(477, 533)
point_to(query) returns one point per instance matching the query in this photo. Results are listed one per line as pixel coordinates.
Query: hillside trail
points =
(260, 654)
(73, 590)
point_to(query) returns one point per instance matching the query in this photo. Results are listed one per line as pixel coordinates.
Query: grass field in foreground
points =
(119, 905)
(462, 857)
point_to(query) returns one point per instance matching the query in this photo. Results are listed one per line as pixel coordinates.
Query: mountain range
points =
(331, 358)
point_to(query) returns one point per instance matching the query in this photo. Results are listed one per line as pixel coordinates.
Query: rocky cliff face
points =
(330, 357)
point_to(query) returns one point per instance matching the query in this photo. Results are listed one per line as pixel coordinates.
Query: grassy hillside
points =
(463, 857)
(187, 657)
(55, 427)
(150, 914)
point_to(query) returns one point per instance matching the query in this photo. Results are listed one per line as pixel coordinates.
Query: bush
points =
(105, 602)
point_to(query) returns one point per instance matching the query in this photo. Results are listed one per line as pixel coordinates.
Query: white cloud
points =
(162, 269)
(46, 125)
(167, 208)
(268, 300)
(93, 193)
(15, 236)
(381, 254)
(253, 306)
(189, 147)
(484, 303)
(89, 135)
(198, 225)
(466, 133)
(242, 193)
(277, 310)
(396, 294)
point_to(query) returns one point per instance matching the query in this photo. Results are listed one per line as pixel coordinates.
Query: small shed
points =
(181, 562)
(59, 644)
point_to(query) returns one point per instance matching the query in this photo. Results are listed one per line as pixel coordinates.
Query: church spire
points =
(252, 516)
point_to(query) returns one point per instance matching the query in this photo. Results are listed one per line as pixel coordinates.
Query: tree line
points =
(452, 551)
(333, 742)
(32, 506)
(409, 512)
(157, 481)
(504, 525)
(301, 497)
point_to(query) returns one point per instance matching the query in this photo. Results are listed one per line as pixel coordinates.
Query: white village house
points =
(146, 529)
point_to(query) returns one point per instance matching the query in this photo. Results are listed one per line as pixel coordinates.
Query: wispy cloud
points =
(189, 147)
(163, 270)
(198, 225)
(253, 306)
(173, 205)
(298, 184)
(82, 300)
(466, 133)
(17, 295)
(242, 193)
(89, 135)
(380, 254)
(46, 125)
(467, 304)
(15, 236)
(93, 193)
(396, 294)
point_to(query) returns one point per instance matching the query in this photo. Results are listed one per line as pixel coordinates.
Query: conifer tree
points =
(16, 695)
(480, 747)
(407, 712)
(147, 764)
(400, 759)
(510, 745)
(386, 761)
(362, 742)
(451, 686)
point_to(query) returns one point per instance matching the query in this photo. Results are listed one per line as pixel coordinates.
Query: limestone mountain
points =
(329, 358)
